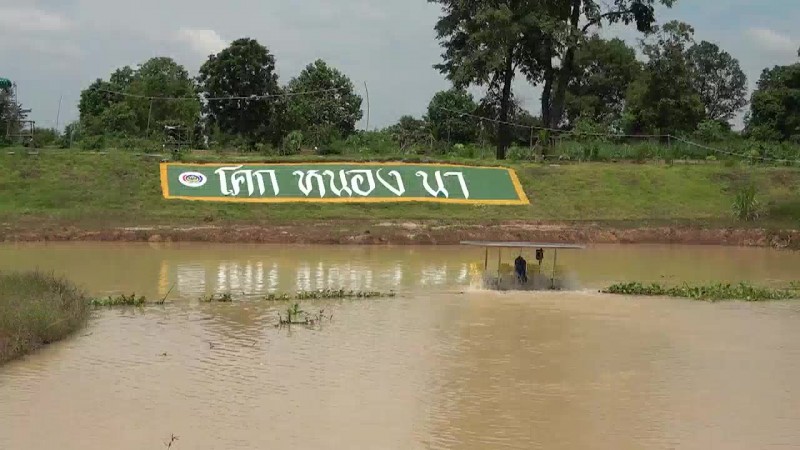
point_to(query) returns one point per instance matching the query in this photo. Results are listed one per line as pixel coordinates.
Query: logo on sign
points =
(192, 179)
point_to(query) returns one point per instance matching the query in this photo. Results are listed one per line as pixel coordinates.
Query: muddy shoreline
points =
(408, 233)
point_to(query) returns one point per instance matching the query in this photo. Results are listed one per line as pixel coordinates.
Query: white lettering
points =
(439, 181)
(461, 181)
(306, 179)
(359, 178)
(342, 180)
(400, 189)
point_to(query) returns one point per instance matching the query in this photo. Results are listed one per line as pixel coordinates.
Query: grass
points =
(37, 309)
(714, 292)
(327, 294)
(122, 188)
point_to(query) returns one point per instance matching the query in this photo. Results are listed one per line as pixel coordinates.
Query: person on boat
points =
(521, 268)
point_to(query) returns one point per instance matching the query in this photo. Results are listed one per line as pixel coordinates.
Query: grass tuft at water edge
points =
(37, 309)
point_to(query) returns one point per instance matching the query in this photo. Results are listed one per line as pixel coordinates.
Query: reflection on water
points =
(430, 369)
(252, 270)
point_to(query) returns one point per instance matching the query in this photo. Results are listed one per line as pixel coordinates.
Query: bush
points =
(292, 143)
(37, 309)
(710, 131)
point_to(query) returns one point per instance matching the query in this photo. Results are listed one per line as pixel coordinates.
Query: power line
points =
(614, 135)
(250, 97)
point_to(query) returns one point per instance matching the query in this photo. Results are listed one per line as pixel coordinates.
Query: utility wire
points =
(250, 97)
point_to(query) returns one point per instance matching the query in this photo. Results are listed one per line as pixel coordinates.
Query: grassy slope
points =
(36, 309)
(123, 188)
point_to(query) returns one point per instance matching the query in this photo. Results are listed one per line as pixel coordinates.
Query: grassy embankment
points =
(37, 309)
(122, 188)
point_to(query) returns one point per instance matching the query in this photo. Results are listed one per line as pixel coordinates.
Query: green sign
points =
(342, 182)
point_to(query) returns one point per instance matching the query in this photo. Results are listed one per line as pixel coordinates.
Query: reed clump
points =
(37, 309)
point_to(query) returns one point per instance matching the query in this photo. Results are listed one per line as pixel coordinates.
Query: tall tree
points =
(117, 106)
(565, 26)
(333, 103)
(447, 123)
(664, 99)
(245, 70)
(719, 80)
(484, 45)
(775, 105)
(604, 71)
(165, 80)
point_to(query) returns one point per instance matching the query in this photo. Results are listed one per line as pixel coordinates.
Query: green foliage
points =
(745, 206)
(445, 118)
(45, 137)
(292, 143)
(105, 112)
(719, 80)
(774, 106)
(715, 292)
(604, 69)
(664, 100)
(711, 131)
(217, 298)
(329, 294)
(245, 69)
(119, 300)
(37, 309)
(337, 109)
(409, 132)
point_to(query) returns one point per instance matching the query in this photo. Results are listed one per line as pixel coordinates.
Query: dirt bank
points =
(407, 233)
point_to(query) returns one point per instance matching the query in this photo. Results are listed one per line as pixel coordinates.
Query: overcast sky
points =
(54, 48)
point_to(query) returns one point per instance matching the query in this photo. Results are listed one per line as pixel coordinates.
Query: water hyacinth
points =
(714, 292)
(324, 294)
(119, 300)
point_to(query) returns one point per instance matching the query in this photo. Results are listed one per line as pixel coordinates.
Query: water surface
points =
(441, 366)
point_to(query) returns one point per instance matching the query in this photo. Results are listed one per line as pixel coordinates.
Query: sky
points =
(53, 49)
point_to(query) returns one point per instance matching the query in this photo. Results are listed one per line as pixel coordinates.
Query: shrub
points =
(292, 143)
(745, 206)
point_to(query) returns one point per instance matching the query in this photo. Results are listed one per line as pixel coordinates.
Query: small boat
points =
(522, 276)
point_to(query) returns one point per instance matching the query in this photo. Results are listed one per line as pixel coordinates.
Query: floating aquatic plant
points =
(714, 292)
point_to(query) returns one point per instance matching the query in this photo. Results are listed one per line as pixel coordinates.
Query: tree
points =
(524, 122)
(775, 105)
(664, 100)
(447, 119)
(409, 131)
(484, 45)
(564, 27)
(333, 103)
(163, 79)
(604, 72)
(140, 101)
(245, 70)
(719, 80)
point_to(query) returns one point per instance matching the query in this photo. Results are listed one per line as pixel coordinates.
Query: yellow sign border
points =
(523, 198)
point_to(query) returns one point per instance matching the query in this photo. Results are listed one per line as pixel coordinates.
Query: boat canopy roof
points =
(542, 245)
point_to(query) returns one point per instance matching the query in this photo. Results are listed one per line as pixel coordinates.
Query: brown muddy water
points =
(443, 365)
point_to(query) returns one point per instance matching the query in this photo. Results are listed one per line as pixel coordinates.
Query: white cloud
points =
(205, 42)
(26, 19)
(773, 40)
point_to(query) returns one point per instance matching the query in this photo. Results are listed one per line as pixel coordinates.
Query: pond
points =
(442, 365)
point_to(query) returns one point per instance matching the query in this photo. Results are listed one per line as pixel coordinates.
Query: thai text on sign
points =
(342, 182)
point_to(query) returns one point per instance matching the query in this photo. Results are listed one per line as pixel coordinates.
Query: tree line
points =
(600, 86)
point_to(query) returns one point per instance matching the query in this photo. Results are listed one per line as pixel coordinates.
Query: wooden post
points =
(486, 261)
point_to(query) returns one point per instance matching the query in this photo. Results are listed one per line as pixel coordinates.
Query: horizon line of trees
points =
(596, 85)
